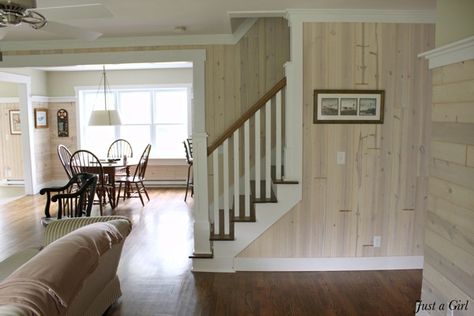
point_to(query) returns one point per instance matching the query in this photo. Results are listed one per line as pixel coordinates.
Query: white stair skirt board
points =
(328, 264)
(266, 215)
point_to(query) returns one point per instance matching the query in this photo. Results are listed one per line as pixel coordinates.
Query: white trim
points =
(363, 15)
(256, 14)
(37, 98)
(65, 99)
(139, 41)
(328, 264)
(9, 100)
(194, 55)
(27, 140)
(451, 53)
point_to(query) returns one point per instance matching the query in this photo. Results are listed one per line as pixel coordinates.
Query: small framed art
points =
(41, 118)
(348, 106)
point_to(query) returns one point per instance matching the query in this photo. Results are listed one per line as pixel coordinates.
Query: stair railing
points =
(228, 147)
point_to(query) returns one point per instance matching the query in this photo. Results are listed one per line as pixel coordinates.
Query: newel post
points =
(202, 244)
(293, 152)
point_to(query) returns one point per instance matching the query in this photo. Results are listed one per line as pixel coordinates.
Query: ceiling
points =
(130, 18)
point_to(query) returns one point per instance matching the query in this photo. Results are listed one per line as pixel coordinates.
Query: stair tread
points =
(240, 215)
(262, 199)
(221, 237)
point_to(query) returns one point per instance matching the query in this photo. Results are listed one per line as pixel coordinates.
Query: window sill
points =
(167, 162)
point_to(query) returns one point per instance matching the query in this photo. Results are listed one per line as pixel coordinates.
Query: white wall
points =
(62, 83)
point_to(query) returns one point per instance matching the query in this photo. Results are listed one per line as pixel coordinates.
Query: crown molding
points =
(143, 41)
(359, 15)
(451, 53)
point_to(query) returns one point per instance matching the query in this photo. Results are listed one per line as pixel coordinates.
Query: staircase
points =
(249, 189)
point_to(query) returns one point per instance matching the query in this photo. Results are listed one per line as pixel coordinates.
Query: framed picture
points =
(41, 118)
(15, 123)
(348, 106)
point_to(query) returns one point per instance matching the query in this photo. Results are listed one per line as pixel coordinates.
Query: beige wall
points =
(38, 82)
(62, 83)
(455, 21)
(381, 189)
(448, 272)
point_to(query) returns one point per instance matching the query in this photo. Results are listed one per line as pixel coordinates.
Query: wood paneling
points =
(57, 170)
(236, 75)
(449, 241)
(42, 143)
(382, 188)
(11, 156)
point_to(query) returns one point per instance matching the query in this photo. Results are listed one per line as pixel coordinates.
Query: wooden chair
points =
(135, 183)
(119, 148)
(189, 160)
(84, 161)
(190, 146)
(65, 158)
(73, 199)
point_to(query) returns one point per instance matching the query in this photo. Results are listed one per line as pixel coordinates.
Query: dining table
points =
(110, 168)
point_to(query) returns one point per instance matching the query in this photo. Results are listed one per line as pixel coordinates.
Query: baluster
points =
(278, 137)
(215, 168)
(268, 148)
(257, 155)
(236, 174)
(247, 166)
(226, 187)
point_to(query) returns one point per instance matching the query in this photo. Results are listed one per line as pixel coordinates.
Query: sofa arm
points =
(59, 228)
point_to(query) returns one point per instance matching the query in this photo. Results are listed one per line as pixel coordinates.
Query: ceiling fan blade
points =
(70, 31)
(86, 11)
(3, 33)
(61, 3)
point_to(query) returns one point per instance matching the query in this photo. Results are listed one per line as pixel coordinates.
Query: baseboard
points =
(329, 264)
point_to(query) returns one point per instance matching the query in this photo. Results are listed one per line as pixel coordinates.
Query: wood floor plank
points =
(156, 277)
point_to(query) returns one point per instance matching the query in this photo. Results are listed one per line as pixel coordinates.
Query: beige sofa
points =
(75, 273)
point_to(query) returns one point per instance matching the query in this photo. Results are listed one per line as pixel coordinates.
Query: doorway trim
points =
(27, 138)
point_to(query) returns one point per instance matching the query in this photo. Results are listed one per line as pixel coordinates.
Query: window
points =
(157, 116)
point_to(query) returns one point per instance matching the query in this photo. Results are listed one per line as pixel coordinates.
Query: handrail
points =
(248, 114)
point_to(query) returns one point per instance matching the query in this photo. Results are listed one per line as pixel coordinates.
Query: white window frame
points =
(84, 121)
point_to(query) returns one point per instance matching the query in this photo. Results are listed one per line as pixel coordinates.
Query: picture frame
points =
(15, 122)
(349, 106)
(41, 118)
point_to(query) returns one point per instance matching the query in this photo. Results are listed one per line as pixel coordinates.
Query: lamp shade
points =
(105, 118)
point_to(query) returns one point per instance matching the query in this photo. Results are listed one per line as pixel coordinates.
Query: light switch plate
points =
(377, 241)
(341, 157)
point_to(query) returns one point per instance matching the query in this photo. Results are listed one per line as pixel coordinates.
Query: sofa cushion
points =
(47, 283)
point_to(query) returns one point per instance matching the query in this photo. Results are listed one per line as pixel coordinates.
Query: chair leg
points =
(118, 193)
(144, 190)
(100, 203)
(187, 183)
(139, 193)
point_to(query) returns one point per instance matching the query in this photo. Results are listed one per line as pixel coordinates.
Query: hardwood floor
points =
(156, 278)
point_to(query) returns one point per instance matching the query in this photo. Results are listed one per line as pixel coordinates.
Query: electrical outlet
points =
(377, 241)
(341, 157)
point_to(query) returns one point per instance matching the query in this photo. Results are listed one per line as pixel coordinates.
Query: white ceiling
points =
(129, 18)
